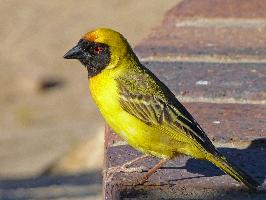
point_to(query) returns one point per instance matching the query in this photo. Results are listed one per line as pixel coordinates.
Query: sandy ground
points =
(46, 110)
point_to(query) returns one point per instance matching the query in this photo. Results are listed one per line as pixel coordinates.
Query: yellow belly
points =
(147, 139)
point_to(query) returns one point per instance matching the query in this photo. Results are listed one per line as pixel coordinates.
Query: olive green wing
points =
(156, 110)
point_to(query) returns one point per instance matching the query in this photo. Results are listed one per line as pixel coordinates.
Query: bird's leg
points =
(144, 178)
(124, 168)
(127, 164)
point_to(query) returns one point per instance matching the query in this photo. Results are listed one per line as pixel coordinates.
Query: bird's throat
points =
(94, 70)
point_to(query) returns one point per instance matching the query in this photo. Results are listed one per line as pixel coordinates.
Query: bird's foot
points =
(109, 173)
(141, 180)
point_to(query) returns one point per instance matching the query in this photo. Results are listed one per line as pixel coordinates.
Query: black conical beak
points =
(75, 53)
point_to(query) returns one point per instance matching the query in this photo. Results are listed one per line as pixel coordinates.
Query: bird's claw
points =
(109, 173)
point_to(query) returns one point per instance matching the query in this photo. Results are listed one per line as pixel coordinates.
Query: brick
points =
(230, 123)
(220, 8)
(234, 43)
(184, 177)
(235, 81)
(233, 29)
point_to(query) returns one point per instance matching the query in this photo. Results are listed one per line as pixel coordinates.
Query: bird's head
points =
(99, 49)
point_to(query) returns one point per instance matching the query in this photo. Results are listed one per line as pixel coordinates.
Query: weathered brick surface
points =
(231, 28)
(226, 95)
(239, 81)
(184, 177)
(219, 8)
(230, 42)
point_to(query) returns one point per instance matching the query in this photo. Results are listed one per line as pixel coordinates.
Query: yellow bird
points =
(140, 108)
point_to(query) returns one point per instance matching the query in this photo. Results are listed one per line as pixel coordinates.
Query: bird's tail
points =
(231, 169)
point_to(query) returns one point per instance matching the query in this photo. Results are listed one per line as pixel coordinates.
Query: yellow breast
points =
(104, 91)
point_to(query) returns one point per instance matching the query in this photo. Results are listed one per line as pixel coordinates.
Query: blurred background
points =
(48, 123)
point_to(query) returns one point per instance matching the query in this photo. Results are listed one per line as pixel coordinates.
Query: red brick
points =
(239, 81)
(220, 8)
(235, 43)
(185, 178)
(230, 123)
(231, 28)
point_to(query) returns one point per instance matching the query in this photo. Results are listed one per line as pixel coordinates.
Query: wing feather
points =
(154, 110)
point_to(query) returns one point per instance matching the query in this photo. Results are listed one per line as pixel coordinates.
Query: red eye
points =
(98, 50)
